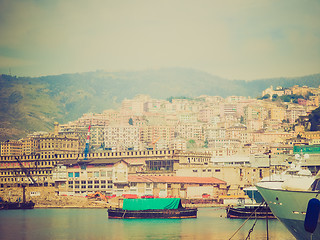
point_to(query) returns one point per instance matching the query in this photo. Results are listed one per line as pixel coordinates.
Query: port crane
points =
(154, 143)
(26, 172)
(86, 151)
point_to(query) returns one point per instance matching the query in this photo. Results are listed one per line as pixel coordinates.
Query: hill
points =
(33, 104)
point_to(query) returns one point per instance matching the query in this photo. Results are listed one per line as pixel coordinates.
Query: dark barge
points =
(253, 211)
(16, 205)
(152, 208)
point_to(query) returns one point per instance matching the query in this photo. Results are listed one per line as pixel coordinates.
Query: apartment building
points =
(190, 131)
(207, 114)
(234, 132)
(121, 138)
(277, 113)
(159, 133)
(294, 112)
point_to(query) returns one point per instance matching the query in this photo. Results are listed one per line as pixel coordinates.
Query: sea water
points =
(94, 224)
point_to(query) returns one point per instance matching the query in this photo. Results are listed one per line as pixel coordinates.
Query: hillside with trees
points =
(34, 104)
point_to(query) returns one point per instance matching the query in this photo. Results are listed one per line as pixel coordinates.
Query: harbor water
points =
(94, 224)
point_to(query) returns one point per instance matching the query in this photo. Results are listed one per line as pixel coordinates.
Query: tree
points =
(191, 144)
(267, 96)
(206, 143)
(274, 97)
(314, 119)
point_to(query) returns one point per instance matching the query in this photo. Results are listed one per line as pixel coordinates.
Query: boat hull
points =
(163, 213)
(290, 208)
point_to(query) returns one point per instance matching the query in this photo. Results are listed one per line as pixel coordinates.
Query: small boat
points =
(256, 209)
(246, 211)
(16, 205)
(152, 208)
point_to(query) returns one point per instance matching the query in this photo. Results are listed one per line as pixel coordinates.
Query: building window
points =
(96, 174)
(103, 181)
(70, 174)
(77, 174)
(217, 170)
(83, 182)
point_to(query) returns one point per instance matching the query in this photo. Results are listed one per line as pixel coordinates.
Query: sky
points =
(234, 39)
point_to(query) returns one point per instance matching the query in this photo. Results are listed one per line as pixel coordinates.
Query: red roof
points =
(175, 179)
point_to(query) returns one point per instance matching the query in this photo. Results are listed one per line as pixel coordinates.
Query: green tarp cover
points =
(151, 203)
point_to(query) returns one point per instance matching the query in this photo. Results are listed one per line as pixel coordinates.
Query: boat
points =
(255, 209)
(249, 211)
(288, 198)
(152, 208)
(7, 205)
(16, 205)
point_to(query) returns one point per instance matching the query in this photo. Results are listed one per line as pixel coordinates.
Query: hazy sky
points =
(235, 39)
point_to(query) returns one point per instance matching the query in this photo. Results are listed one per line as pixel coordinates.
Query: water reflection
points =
(94, 224)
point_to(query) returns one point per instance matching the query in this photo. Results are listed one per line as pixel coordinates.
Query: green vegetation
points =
(314, 119)
(182, 97)
(291, 98)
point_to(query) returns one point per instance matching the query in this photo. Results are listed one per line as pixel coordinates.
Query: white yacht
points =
(288, 196)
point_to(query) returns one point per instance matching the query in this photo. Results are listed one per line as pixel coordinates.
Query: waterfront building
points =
(26, 170)
(236, 175)
(52, 144)
(11, 148)
(111, 177)
(100, 175)
(177, 186)
(40, 167)
(29, 146)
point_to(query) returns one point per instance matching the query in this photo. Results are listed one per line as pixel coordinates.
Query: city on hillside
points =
(185, 147)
